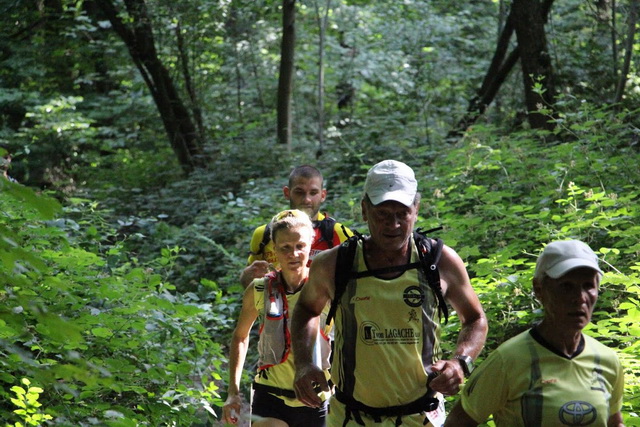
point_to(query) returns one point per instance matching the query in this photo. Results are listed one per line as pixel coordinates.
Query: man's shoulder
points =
(340, 228)
(340, 231)
(513, 351)
(325, 217)
(516, 341)
(448, 257)
(327, 255)
(338, 225)
(325, 260)
(599, 347)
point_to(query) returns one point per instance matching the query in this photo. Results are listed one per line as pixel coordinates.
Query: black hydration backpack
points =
(429, 251)
(326, 232)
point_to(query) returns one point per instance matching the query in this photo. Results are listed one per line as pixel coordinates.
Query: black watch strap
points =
(466, 363)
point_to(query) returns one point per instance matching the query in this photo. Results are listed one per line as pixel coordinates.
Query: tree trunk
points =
(235, 33)
(138, 37)
(285, 80)
(631, 33)
(535, 60)
(614, 38)
(189, 85)
(497, 73)
(257, 77)
(322, 26)
(499, 69)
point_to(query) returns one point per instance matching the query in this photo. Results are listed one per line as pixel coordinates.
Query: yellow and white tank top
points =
(386, 335)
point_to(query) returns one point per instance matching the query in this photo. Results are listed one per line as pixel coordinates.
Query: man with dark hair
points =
(387, 363)
(305, 191)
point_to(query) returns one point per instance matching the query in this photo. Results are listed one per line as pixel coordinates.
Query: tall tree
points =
(537, 71)
(137, 34)
(502, 63)
(322, 27)
(634, 6)
(188, 81)
(285, 80)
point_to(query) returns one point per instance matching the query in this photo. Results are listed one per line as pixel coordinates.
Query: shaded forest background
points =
(145, 140)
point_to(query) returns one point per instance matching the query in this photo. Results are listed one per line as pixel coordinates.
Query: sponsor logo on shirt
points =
(371, 334)
(413, 296)
(577, 413)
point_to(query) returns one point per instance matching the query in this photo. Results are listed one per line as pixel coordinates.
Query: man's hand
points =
(449, 377)
(231, 409)
(309, 381)
(256, 270)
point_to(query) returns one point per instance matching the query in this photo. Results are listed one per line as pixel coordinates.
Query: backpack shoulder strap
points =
(429, 251)
(326, 229)
(344, 265)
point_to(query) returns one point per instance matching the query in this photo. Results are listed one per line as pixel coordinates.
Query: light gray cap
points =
(562, 256)
(391, 180)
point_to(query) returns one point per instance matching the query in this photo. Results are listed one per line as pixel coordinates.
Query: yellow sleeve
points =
(615, 403)
(254, 246)
(486, 390)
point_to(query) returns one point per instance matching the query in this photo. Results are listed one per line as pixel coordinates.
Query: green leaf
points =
(102, 332)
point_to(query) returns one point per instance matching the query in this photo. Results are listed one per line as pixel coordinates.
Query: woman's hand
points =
(231, 409)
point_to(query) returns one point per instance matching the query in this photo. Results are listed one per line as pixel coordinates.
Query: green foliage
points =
(501, 198)
(104, 333)
(28, 406)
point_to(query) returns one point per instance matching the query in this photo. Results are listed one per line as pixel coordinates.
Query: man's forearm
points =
(237, 357)
(304, 328)
(245, 277)
(472, 337)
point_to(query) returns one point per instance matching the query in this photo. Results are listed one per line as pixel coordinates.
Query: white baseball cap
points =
(562, 256)
(391, 180)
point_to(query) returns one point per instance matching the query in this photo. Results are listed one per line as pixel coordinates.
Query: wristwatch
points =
(466, 363)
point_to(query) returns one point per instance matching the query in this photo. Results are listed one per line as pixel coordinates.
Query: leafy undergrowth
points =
(102, 338)
(500, 198)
